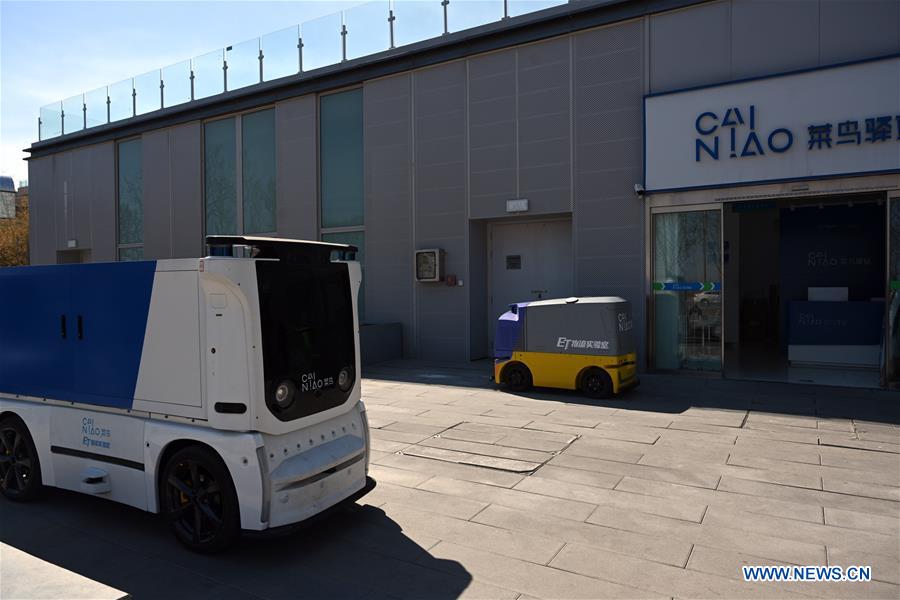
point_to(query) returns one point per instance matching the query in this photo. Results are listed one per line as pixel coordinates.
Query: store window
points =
(341, 173)
(130, 201)
(246, 206)
(687, 296)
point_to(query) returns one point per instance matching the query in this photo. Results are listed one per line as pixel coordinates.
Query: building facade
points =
(664, 151)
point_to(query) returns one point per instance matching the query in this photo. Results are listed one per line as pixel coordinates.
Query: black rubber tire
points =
(20, 467)
(198, 499)
(596, 383)
(517, 377)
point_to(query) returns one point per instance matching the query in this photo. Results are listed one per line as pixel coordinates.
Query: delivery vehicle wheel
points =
(517, 377)
(595, 382)
(20, 469)
(199, 501)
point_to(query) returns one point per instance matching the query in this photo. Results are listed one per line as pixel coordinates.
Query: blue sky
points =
(50, 51)
(54, 50)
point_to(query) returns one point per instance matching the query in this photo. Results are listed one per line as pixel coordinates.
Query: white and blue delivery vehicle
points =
(222, 392)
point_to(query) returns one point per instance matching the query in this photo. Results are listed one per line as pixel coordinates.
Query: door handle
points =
(80, 328)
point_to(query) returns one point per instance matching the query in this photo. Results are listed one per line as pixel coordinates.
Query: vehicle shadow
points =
(357, 552)
(672, 394)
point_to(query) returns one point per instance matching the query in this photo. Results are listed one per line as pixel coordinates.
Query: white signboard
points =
(835, 121)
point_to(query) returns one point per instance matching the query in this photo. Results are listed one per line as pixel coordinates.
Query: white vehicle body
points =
(197, 372)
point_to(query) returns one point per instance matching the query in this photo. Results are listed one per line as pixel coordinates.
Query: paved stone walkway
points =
(663, 493)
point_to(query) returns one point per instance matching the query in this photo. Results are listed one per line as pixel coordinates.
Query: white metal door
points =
(529, 261)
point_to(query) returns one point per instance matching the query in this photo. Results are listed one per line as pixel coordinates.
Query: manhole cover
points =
(493, 447)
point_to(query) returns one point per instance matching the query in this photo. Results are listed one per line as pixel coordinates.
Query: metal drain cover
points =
(493, 447)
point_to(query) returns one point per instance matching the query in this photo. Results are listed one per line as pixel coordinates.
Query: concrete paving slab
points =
(685, 510)
(27, 577)
(536, 580)
(566, 507)
(651, 547)
(751, 504)
(657, 578)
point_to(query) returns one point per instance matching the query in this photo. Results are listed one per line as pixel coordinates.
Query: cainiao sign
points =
(826, 122)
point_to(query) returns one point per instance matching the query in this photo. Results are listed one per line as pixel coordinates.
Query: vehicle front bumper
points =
(311, 470)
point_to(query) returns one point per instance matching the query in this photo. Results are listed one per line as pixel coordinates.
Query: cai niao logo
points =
(732, 133)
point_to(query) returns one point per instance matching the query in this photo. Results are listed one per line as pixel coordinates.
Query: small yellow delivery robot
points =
(582, 344)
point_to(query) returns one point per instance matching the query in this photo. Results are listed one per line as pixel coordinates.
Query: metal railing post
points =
(505, 9)
(133, 99)
(343, 39)
(391, 19)
(62, 120)
(300, 53)
(84, 112)
(108, 103)
(260, 64)
(192, 81)
(39, 128)
(224, 72)
(445, 3)
(162, 87)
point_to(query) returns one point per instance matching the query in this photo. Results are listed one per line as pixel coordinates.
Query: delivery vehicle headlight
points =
(284, 393)
(345, 379)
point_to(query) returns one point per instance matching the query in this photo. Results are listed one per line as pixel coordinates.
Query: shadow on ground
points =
(673, 394)
(354, 553)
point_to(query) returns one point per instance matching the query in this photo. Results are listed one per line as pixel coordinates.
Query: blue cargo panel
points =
(74, 332)
(510, 331)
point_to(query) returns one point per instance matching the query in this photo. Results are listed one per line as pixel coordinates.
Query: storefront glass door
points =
(893, 337)
(687, 290)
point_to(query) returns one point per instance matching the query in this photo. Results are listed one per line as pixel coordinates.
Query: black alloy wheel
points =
(199, 500)
(517, 377)
(596, 383)
(20, 469)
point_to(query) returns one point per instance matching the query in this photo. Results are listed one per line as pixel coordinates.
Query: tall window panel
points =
(220, 176)
(341, 158)
(258, 171)
(130, 201)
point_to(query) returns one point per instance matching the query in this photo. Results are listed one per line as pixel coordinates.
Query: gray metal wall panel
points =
(608, 221)
(102, 218)
(78, 197)
(172, 192)
(544, 97)
(856, 29)
(478, 290)
(186, 156)
(387, 117)
(41, 218)
(492, 133)
(296, 175)
(157, 178)
(773, 35)
(690, 47)
(439, 109)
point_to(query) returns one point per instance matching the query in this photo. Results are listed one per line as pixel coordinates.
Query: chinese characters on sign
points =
(877, 129)
(736, 128)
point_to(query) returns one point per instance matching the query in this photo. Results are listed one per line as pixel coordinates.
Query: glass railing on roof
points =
(359, 31)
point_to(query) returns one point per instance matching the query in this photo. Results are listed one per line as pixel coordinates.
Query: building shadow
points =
(357, 552)
(673, 393)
